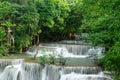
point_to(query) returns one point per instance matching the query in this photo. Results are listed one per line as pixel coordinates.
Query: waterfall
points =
(72, 48)
(10, 72)
(34, 71)
(66, 50)
(31, 71)
(82, 70)
(74, 76)
(18, 69)
(6, 62)
(22, 71)
(9, 68)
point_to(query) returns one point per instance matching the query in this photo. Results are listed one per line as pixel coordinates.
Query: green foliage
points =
(8, 24)
(112, 59)
(28, 18)
(46, 10)
(22, 18)
(2, 33)
(2, 44)
(51, 59)
(5, 9)
(74, 20)
(43, 59)
(47, 59)
(52, 17)
(28, 25)
(3, 51)
(101, 20)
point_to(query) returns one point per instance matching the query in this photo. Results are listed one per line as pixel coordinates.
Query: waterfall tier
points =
(66, 50)
(6, 62)
(34, 71)
(17, 69)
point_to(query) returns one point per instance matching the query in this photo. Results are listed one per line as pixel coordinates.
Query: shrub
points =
(52, 59)
(112, 60)
(43, 59)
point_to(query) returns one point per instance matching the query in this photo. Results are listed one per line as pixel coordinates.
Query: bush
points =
(43, 60)
(52, 59)
(112, 60)
(47, 59)
(3, 51)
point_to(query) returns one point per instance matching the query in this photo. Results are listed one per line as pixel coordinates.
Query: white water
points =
(6, 62)
(10, 72)
(19, 70)
(78, 51)
(74, 76)
(30, 71)
(9, 68)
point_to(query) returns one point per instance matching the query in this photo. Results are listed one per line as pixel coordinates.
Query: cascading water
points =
(9, 68)
(66, 50)
(6, 62)
(19, 70)
(30, 71)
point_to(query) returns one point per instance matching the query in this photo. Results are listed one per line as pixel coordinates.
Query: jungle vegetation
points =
(28, 22)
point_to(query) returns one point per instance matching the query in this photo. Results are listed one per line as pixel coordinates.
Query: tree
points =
(52, 17)
(27, 24)
(101, 20)
(112, 59)
(74, 20)
(19, 20)
(6, 38)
